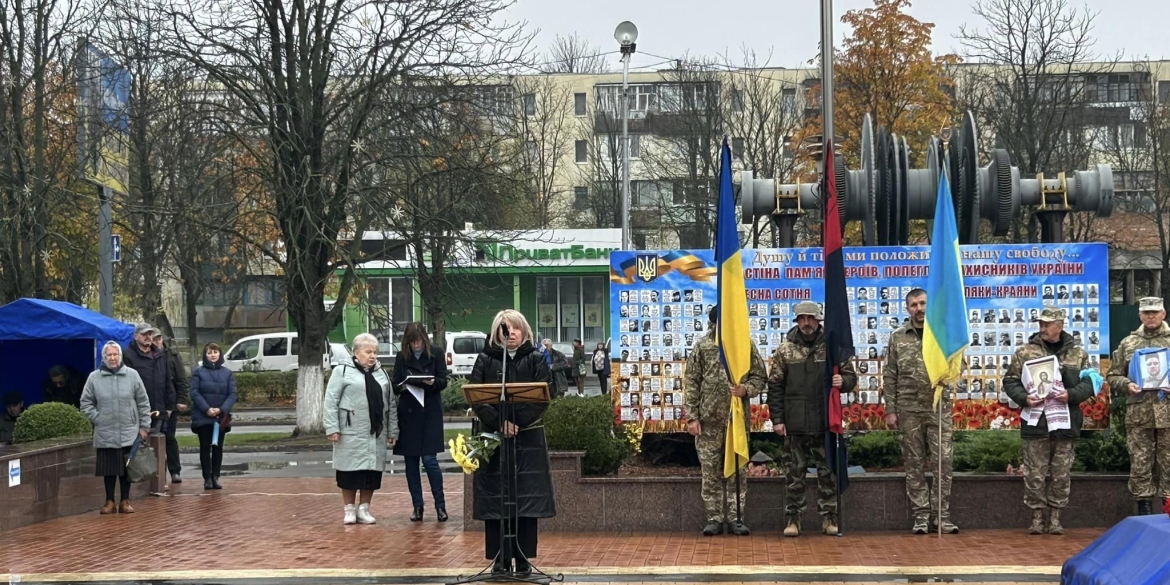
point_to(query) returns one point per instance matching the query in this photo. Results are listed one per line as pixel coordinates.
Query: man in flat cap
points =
(796, 400)
(1044, 449)
(151, 365)
(1147, 414)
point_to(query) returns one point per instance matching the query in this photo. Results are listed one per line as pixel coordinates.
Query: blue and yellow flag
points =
(732, 333)
(945, 337)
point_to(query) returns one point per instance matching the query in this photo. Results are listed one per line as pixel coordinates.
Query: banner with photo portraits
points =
(660, 300)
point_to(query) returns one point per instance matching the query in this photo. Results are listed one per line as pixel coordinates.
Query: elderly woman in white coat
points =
(114, 399)
(362, 421)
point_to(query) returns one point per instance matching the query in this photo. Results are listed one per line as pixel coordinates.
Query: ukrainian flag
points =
(732, 333)
(945, 337)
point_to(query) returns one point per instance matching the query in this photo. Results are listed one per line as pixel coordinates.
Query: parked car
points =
(269, 352)
(462, 349)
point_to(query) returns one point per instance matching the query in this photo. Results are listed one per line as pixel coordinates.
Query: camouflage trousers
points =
(1147, 447)
(1044, 457)
(718, 491)
(919, 433)
(801, 451)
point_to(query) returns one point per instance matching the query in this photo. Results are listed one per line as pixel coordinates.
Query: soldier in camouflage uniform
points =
(796, 400)
(707, 394)
(1049, 451)
(910, 409)
(1147, 414)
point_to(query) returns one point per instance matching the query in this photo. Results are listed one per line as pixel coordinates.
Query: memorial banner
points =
(660, 300)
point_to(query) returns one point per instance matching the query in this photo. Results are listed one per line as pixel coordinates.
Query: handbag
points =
(581, 370)
(142, 463)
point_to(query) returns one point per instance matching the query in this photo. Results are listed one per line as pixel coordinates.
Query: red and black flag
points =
(838, 329)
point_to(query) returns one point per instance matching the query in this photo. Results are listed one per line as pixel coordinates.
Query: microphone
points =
(506, 331)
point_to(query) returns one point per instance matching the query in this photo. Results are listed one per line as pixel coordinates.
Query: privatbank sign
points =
(561, 253)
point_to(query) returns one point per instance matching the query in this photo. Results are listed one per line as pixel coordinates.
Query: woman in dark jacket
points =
(534, 492)
(601, 366)
(213, 392)
(420, 424)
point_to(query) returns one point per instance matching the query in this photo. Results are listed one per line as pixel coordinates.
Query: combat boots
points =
(1037, 522)
(793, 528)
(713, 528)
(921, 526)
(1144, 508)
(829, 526)
(1054, 526)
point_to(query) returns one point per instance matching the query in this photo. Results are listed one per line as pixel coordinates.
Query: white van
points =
(270, 352)
(462, 349)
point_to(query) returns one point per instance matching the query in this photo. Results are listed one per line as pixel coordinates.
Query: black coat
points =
(420, 428)
(534, 491)
(70, 394)
(156, 376)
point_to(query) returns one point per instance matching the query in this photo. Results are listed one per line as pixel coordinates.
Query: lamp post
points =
(626, 34)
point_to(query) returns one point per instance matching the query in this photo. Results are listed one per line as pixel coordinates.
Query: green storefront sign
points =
(497, 252)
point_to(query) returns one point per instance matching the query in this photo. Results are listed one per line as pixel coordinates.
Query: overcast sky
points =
(789, 29)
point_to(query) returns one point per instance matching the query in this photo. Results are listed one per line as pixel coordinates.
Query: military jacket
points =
(706, 389)
(1143, 410)
(796, 383)
(905, 383)
(1072, 359)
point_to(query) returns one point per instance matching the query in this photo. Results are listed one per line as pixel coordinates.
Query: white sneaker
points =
(363, 515)
(350, 514)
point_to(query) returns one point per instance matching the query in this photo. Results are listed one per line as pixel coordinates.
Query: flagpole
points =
(938, 476)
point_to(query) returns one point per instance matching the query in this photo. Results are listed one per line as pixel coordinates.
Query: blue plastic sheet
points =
(1132, 553)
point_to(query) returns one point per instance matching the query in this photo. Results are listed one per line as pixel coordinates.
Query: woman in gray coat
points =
(115, 401)
(362, 421)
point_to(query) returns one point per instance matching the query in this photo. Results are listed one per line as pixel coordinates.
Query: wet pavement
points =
(291, 464)
(291, 529)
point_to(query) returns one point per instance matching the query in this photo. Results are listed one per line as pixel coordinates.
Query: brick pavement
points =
(265, 526)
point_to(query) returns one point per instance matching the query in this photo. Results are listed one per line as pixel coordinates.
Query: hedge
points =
(50, 420)
(574, 423)
(453, 399)
(267, 388)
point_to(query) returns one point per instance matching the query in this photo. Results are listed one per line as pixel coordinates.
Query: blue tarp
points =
(1131, 553)
(36, 335)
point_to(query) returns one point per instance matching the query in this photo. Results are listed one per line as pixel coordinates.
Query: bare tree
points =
(541, 129)
(1032, 69)
(308, 81)
(598, 160)
(573, 54)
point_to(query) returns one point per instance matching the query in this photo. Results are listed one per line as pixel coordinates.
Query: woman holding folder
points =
(420, 375)
(213, 393)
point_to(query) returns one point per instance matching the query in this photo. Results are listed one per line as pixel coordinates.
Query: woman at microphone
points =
(512, 340)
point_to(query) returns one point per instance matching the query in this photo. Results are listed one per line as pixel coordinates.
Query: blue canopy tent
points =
(36, 335)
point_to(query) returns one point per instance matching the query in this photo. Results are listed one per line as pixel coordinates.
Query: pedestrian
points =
(182, 385)
(13, 406)
(1147, 413)
(511, 339)
(360, 420)
(213, 392)
(910, 410)
(601, 366)
(558, 364)
(797, 403)
(63, 385)
(579, 366)
(114, 399)
(707, 395)
(420, 415)
(1049, 451)
(151, 365)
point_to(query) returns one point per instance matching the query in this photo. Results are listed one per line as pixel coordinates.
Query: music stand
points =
(503, 396)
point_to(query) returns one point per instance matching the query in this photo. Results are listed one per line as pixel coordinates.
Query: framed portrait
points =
(1153, 368)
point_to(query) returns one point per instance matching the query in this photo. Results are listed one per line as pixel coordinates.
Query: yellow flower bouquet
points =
(469, 453)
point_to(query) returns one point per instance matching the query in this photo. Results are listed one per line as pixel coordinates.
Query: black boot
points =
(500, 567)
(1144, 508)
(713, 528)
(215, 483)
(523, 568)
(442, 513)
(417, 515)
(207, 485)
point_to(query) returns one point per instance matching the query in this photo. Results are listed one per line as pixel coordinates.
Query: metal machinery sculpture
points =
(885, 194)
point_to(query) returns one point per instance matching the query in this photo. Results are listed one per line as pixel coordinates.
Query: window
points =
(1164, 91)
(493, 99)
(580, 197)
(635, 146)
(571, 307)
(643, 98)
(1117, 87)
(529, 104)
(616, 142)
(579, 104)
(737, 100)
(639, 240)
(276, 346)
(391, 308)
(245, 350)
(296, 346)
(788, 99)
(471, 345)
(737, 147)
(264, 292)
(582, 151)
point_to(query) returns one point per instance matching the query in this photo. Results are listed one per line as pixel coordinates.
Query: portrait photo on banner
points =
(1154, 370)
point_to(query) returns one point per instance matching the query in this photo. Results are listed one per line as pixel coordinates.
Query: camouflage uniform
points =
(796, 399)
(707, 397)
(1047, 451)
(909, 395)
(1147, 419)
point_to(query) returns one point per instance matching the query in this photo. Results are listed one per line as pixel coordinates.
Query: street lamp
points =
(626, 34)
